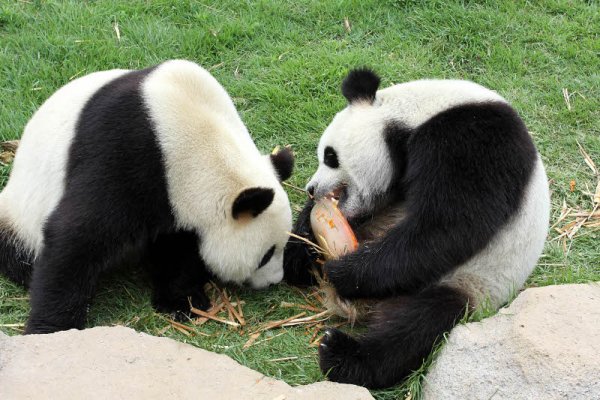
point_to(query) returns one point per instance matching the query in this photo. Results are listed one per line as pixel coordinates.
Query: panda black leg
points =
(178, 274)
(65, 277)
(298, 256)
(59, 295)
(400, 337)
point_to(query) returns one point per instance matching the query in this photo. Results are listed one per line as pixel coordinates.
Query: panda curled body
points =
(152, 167)
(446, 176)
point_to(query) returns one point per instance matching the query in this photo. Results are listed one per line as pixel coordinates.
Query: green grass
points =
(283, 62)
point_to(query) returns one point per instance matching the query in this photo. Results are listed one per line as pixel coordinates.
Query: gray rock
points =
(545, 345)
(119, 363)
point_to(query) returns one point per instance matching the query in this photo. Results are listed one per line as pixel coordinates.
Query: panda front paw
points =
(178, 307)
(340, 358)
(339, 274)
(298, 259)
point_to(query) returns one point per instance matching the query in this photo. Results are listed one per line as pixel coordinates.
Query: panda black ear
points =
(252, 202)
(360, 85)
(283, 162)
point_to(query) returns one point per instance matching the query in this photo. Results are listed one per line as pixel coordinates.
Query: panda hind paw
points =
(340, 358)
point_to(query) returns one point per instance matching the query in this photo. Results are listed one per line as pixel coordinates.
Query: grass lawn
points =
(282, 62)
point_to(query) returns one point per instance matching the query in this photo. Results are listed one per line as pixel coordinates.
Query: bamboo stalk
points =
(277, 324)
(310, 318)
(240, 310)
(284, 359)
(212, 317)
(214, 310)
(232, 309)
(285, 304)
(316, 246)
(251, 341)
(186, 333)
(267, 339)
(179, 325)
(294, 187)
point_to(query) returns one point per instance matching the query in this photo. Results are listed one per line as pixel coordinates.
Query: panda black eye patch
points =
(330, 157)
(267, 257)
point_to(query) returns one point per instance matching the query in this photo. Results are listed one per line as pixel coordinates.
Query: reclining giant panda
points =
(152, 166)
(448, 172)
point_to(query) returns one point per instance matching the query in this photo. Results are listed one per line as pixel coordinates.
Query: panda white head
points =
(354, 159)
(246, 245)
(219, 184)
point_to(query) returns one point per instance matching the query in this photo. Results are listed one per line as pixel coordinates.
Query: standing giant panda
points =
(457, 163)
(152, 166)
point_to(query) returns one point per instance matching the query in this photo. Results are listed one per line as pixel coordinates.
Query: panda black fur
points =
(458, 161)
(152, 166)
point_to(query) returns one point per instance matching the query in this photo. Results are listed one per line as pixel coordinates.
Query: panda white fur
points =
(458, 163)
(152, 166)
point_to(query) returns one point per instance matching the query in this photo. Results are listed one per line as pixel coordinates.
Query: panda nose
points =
(311, 190)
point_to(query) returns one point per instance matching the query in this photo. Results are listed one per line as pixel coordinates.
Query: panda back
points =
(208, 153)
(418, 101)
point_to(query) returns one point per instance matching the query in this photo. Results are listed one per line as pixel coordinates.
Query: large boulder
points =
(119, 363)
(545, 345)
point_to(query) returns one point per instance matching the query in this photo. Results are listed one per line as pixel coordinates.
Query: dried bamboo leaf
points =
(588, 160)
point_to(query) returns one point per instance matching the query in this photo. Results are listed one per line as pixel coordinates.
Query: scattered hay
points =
(231, 310)
(77, 74)
(279, 323)
(347, 25)
(186, 330)
(214, 318)
(227, 311)
(572, 219)
(117, 30)
(12, 325)
(251, 341)
(567, 97)
(284, 359)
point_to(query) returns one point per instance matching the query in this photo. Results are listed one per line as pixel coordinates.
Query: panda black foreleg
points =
(411, 257)
(299, 257)
(178, 273)
(401, 335)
